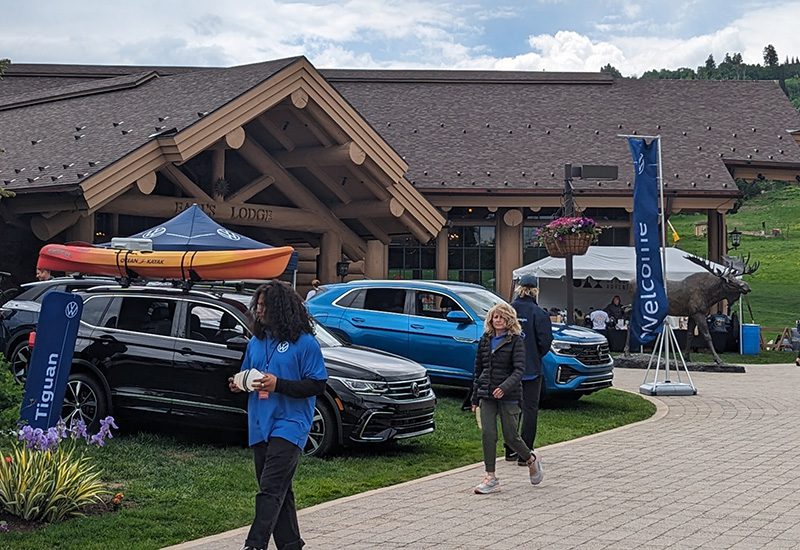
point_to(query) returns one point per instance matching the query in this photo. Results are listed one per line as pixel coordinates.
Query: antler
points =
(749, 269)
(702, 262)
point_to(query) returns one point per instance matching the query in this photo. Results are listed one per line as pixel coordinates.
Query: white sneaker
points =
(535, 468)
(488, 485)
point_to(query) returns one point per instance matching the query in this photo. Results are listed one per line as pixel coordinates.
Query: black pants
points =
(531, 390)
(276, 514)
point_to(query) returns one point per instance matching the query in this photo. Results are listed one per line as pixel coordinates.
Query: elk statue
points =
(693, 296)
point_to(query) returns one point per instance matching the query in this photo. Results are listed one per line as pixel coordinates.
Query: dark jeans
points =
(531, 390)
(276, 514)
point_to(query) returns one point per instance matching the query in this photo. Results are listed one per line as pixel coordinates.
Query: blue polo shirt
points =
(280, 415)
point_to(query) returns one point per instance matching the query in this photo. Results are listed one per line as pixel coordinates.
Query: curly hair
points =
(285, 315)
(508, 313)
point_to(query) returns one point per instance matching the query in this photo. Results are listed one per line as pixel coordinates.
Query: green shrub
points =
(48, 485)
(10, 397)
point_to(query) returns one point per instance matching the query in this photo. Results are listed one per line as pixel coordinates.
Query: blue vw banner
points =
(51, 359)
(650, 301)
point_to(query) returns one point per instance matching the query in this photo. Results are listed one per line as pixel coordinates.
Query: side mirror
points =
(458, 317)
(237, 343)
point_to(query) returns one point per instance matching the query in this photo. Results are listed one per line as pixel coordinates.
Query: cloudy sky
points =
(553, 35)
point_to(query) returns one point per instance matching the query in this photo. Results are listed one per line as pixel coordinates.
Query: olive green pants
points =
(508, 412)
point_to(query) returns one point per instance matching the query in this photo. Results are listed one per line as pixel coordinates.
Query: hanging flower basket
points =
(565, 236)
(575, 244)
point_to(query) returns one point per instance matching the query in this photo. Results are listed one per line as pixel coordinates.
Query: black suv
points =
(164, 355)
(18, 316)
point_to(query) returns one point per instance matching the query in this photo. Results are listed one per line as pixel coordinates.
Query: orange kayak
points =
(204, 265)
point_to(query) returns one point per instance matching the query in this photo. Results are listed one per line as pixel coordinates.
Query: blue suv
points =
(439, 323)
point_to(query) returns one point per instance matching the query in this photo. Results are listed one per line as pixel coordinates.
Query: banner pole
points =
(663, 220)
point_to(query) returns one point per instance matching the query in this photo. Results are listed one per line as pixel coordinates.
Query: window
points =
(409, 259)
(471, 255)
(150, 315)
(210, 324)
(93, 309)
(391, 300)
(433, 304)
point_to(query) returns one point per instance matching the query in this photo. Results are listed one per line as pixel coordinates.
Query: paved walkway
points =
(717, 470)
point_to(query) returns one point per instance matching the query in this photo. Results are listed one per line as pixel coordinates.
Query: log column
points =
(330, 252)
(82, 231)
(508, 250)
(376, 264)
(442, 250)
(716, 236)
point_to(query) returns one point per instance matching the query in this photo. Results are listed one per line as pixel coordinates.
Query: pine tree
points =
(770, 56)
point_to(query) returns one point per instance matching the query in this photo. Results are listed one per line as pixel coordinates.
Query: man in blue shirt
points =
(281, 410)
(538, 332)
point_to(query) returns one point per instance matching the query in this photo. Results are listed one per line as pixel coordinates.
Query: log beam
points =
(354, 246)
(369, 209)
(251, 189)
(217, 169)
(47, 228)
(257, 215)
(335, 155)
(276, 132)
(235, 138)
(147, 184)
(174, 174)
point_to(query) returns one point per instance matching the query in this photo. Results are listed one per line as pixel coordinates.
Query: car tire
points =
(19, 359)
(322, 437)
(84, 399)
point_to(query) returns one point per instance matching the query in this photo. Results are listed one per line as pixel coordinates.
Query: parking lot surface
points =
(715, 470)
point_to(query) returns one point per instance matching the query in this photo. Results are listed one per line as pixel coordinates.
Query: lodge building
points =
(407, 174)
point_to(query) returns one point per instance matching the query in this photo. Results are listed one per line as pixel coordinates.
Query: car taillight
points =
(31, 339)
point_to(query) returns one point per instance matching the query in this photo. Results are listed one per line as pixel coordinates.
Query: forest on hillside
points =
(733, 67)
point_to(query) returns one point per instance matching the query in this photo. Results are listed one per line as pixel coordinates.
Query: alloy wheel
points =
(80, 402)
(19, 363)
(317, 434)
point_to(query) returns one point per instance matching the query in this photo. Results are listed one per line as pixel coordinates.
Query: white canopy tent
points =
(600, 274)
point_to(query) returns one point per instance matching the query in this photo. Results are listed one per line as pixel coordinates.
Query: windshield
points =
(325, 338)
(479, 300)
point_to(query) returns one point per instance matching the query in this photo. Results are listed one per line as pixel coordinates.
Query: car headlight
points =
(562, 348)
(368, 387)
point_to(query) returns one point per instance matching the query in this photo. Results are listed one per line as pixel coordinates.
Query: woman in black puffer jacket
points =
(497, 389)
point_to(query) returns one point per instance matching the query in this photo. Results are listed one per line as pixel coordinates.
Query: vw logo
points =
(228, 234)
(282, 347)
(153, 233)
(71, 310)
(414, 389)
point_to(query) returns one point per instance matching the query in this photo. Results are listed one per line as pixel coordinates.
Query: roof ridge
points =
(77, 90)
(465, 76)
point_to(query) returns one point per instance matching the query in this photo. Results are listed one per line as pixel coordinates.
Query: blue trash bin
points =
(751, 339)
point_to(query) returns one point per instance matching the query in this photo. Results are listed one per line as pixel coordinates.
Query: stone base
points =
(640, 361)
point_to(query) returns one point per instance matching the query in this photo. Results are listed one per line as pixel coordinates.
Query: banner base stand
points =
(668, 388)
(667, 349)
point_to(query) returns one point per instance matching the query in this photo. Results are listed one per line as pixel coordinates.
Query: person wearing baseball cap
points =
(538, 333)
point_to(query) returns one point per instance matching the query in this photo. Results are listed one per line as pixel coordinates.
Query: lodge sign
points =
(227, 211)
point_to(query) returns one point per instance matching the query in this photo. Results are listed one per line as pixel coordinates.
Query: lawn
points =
(774, 299)
(177, 491)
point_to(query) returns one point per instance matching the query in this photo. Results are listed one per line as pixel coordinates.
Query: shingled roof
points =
(471, 131)
(459, 131)
(56, 137)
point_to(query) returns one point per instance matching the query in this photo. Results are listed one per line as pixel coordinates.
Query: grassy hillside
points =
(775, 299)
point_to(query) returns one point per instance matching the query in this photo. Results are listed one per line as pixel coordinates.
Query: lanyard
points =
(268, 354)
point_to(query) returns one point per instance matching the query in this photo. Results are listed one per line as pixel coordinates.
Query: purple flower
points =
(77, 429)
(98, 439)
